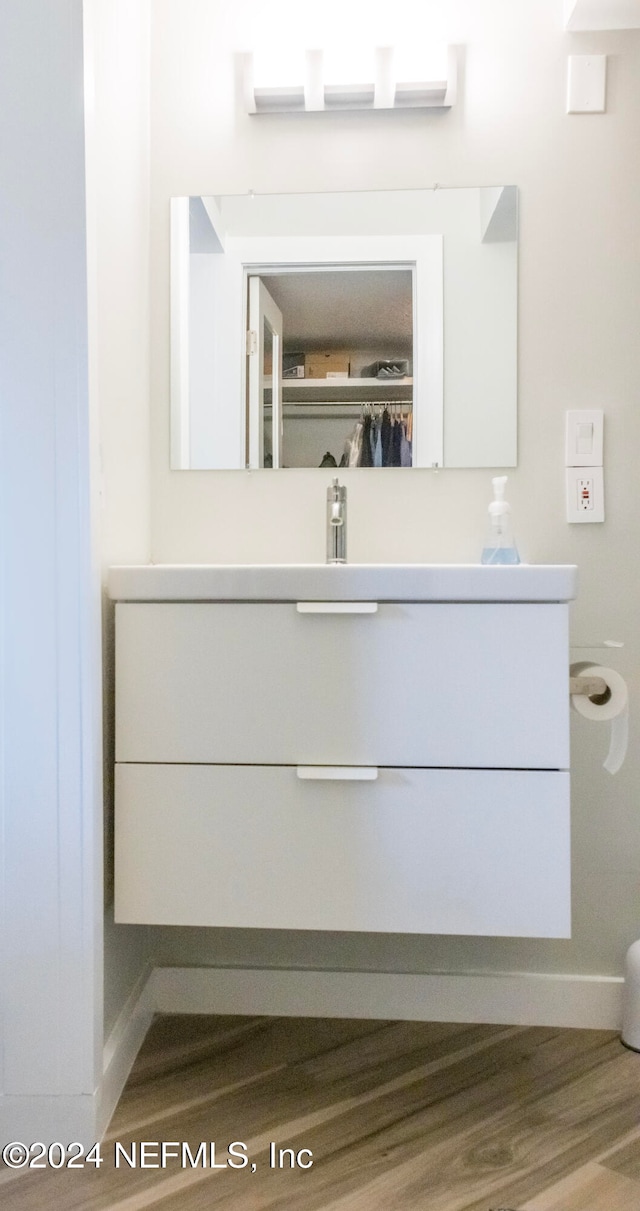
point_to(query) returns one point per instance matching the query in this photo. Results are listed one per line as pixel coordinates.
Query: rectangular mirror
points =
(355, 329)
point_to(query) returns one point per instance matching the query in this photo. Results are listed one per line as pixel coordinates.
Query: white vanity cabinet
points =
(317, 762)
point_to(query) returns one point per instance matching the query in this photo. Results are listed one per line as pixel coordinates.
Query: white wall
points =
(116, 43)
(74, 497)
(51, 787)
(579, 289)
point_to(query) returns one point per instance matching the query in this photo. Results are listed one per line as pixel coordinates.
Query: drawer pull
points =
(339, 773)
(337, 607)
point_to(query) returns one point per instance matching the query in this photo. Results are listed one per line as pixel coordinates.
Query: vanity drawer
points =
(415, 851)
(477, 685)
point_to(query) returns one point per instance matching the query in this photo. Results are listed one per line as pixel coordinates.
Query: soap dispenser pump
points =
(500, 547)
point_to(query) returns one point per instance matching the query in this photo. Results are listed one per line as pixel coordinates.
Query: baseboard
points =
(123, 1045)
(84, 1117)
(518, 998)
(527, 999)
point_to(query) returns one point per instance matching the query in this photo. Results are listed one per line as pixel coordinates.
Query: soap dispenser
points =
(500, 547)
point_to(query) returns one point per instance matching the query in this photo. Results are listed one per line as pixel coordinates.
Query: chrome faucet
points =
(336, 523)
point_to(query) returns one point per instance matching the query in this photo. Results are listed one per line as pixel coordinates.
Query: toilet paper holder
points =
(592, 687)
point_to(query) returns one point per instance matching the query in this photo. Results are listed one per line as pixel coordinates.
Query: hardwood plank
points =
(450, 1164)
(172, 1041)
(276, 1190)
(273, 1102)
(590, 1188)
(159, 1089)
(626, 1158)
(400, 1116)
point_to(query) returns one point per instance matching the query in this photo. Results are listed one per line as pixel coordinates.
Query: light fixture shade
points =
(277, 81)
(349, 78)
(381, 78)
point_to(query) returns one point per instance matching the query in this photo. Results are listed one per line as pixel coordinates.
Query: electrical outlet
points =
(585, 494)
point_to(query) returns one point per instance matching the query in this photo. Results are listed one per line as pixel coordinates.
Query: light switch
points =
(586, 84)
(583, 438)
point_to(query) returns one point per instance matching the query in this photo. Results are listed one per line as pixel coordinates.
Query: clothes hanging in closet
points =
(380, 440)
(366, 458)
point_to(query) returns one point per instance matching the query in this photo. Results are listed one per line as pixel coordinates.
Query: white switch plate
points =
(584, 431)
(586, 84)
(585, 494)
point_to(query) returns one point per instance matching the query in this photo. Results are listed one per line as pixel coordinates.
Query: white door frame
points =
(263, 311)
(424, 253)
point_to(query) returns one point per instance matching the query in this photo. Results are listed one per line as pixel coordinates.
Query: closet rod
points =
(308, 411)
(378, 403)
(343, 404)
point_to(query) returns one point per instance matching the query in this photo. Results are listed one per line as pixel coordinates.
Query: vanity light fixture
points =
(317, 80)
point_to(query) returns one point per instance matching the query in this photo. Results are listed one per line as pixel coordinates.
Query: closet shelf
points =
(346, 390)
(335, 385)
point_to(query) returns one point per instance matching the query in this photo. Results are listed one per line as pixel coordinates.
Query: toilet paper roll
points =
(614, 711)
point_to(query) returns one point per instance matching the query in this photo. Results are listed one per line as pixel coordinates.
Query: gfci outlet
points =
(585, 494)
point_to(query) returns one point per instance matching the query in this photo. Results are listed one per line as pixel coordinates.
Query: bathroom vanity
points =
(344, 748)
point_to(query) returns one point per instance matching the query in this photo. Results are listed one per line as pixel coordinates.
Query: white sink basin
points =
(342, 582)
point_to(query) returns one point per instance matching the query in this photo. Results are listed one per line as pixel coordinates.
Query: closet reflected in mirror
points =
(346, 401)
(359, 329)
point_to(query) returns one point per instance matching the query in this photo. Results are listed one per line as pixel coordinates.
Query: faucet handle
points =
(336, 499)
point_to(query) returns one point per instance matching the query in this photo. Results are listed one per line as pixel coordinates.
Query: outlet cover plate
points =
(586, 84)
(585, 494)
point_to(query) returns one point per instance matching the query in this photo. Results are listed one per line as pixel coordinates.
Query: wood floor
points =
(395, 1116)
